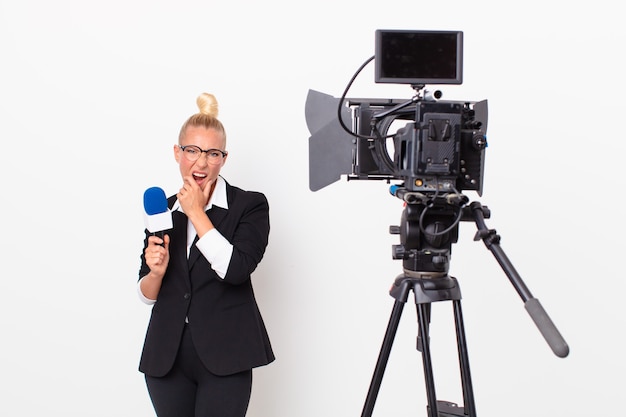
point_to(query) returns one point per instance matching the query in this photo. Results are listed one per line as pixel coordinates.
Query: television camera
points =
(432, 150)
(437, 151)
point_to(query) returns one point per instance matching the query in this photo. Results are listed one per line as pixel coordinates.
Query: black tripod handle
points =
(547, 328)
(532, 305)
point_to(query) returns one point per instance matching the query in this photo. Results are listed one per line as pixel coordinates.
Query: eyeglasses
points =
(193, 152)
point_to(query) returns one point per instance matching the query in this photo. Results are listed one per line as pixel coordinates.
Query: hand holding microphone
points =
(158, 219)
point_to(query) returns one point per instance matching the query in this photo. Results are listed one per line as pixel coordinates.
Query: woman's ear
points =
(177, 152)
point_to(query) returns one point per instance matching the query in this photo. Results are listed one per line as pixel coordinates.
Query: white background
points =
(92, 95)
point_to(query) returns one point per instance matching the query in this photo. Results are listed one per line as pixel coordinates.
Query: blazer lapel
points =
(178, 253)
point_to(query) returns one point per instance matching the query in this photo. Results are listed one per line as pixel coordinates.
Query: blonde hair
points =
(207, 117)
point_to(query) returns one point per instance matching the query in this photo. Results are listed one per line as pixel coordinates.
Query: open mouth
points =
(199, 177)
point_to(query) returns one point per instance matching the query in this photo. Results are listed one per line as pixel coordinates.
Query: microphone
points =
(157, 216)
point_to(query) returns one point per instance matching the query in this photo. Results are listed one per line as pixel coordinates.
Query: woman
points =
(206, 333)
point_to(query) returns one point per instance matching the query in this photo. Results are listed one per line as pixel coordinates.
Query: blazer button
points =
(187, 296)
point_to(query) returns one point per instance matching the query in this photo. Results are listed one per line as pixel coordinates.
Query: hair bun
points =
(207, 103)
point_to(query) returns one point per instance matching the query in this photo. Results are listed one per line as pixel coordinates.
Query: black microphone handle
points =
(161, 234)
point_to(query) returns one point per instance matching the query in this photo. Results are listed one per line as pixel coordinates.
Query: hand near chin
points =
(192, 197)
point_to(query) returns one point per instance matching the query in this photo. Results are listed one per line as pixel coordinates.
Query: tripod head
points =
(429, 225)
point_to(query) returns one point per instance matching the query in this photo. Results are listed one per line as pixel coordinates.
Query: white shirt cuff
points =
(142, 297)
(217, 250)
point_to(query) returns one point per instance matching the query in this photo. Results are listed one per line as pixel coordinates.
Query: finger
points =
(154, 240)
(207, 191)
(188, 182)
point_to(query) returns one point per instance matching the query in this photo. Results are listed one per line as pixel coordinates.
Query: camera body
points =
(440, 148)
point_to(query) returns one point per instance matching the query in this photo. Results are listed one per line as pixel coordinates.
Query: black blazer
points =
(224, 319)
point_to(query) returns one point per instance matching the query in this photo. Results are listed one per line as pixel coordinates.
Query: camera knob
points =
(479, 141)
(397, 251)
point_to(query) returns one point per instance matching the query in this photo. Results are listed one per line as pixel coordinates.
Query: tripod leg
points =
(423, 314)
(420, 337)
(383, 357)
(466, 378)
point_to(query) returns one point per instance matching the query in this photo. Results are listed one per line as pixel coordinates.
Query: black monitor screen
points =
(419, 57)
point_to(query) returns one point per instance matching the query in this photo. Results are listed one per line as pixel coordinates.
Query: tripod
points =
(426, 291)
(427, 232)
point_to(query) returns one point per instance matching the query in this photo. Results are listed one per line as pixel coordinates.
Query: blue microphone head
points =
(154, 201)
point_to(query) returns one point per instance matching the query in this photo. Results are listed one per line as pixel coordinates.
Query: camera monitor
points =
(418, 57)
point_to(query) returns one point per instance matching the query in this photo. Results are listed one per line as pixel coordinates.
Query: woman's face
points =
(201, 170)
